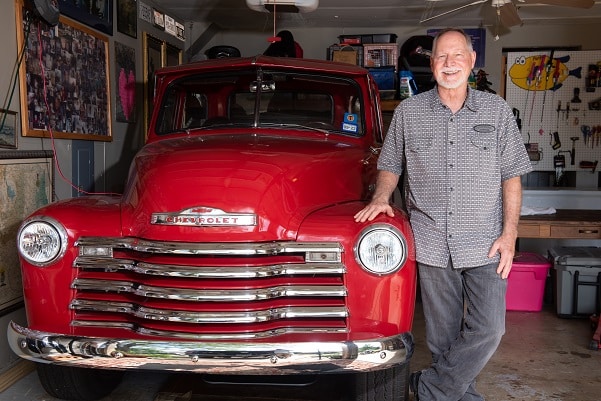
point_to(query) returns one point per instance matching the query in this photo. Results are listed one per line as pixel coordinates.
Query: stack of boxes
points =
(378, 53)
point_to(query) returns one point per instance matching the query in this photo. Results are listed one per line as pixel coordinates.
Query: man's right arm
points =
(380, 202)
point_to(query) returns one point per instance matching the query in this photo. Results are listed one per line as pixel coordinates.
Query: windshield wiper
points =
(295, 125)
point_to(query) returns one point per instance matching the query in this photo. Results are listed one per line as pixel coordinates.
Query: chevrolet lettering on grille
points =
(204, 216)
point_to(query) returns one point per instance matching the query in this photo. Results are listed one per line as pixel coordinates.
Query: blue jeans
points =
(464, 310)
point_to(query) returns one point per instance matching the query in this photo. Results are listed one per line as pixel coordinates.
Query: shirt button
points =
(450, 189)
(450, 213)
(451, 142)
(451, 165)
(450, 235)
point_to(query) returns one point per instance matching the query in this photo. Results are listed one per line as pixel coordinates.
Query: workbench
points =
(564, 224)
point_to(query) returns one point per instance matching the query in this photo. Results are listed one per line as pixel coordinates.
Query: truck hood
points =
(237, 187)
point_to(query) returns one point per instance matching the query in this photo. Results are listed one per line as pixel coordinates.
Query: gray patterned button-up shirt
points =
(455, 165)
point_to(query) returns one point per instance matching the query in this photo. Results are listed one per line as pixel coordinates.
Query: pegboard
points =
(556, 98)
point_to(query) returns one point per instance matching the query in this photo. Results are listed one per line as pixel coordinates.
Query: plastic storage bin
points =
(526, 282)
(577, 277)
(380, 55)
(385, 77)
(368, 38)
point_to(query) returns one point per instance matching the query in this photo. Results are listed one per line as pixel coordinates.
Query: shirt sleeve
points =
(514, 158)
(392, 154)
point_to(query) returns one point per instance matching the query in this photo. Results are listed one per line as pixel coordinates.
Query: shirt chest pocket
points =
(420, 144)
(483, 142)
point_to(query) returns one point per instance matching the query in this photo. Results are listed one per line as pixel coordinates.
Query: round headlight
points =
(381, 249)
(41, 241)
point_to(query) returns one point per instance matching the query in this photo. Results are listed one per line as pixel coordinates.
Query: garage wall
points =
(315, 40)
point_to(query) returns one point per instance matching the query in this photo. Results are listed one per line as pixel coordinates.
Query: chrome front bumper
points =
(211, 357)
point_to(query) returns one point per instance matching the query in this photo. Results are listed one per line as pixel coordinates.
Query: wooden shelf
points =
(565, 223)
(389, 105)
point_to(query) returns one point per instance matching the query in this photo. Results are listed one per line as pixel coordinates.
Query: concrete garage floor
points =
(541, 358)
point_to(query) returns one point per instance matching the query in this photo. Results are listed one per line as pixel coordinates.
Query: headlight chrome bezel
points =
(393, 234)
(54, 229)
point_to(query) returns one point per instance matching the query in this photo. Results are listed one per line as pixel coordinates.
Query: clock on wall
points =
(47, 10)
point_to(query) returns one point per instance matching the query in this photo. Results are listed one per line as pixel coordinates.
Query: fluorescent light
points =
(302, 6)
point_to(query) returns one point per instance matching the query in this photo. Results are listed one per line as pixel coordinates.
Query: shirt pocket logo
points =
(484, 128)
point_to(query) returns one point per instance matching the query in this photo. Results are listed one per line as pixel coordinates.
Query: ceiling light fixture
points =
(291, 6)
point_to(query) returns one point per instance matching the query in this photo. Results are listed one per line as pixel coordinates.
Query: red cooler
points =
(526, 282)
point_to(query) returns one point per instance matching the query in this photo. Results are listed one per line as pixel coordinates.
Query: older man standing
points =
(463, 156)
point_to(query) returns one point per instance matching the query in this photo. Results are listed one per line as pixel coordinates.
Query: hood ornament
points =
(203, 216)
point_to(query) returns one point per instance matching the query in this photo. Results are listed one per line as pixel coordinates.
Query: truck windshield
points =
(262, 98)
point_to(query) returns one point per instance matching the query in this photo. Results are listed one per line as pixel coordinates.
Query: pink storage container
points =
(526, 282)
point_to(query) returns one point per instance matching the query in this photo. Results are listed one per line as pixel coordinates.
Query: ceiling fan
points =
(506, 10)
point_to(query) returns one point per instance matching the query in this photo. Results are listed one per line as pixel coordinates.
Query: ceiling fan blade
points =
(562, 3)
(508, 15)
(453, 10)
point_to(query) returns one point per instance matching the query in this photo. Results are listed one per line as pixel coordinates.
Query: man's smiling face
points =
(452, 60)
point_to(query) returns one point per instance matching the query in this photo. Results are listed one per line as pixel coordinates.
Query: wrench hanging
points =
(547, 69)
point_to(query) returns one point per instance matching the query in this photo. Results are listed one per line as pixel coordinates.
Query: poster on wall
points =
(125, 71)
(556, 99)
(97, 14)
(27, 177)
(127, 17)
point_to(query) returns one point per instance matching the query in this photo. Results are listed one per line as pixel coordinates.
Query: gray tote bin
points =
(577, 277)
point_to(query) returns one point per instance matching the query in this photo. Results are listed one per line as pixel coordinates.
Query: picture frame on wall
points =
(63, 94)
(157, 53)
(125, 77)
(97, 14)
(173, 55)
(153, 60)
(8, 129)
(127, 17)
(158, 19)
(29, 180)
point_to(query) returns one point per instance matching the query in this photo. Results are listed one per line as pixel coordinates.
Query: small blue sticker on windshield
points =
(350, 123)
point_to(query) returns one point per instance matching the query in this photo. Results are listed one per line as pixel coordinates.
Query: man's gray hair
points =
(468, 39)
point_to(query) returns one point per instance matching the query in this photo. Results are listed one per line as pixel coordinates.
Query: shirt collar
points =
(470, 101)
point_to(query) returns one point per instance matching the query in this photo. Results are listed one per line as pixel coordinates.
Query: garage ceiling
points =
(234, 14)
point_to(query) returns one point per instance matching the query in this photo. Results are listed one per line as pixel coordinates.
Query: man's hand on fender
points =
(372, 210)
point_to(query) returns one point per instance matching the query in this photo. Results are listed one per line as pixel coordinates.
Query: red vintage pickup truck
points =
(233, 250)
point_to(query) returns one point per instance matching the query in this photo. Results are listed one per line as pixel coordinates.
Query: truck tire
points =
(389, 384)
(69, 383)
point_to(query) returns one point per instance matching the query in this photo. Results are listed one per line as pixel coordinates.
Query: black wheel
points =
(389, 384)
(594, 345)
(68, 383)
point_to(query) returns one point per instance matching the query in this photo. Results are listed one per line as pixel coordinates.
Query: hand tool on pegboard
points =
(589, 165)
(573, 151)
(559, 161)
(548, 64)
(555, 141)
(586, 133)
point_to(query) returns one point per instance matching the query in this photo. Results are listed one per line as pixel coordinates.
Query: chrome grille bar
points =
(210, 248)
(210, 317)
(214, 272)
(255, 335)
(220, 295)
